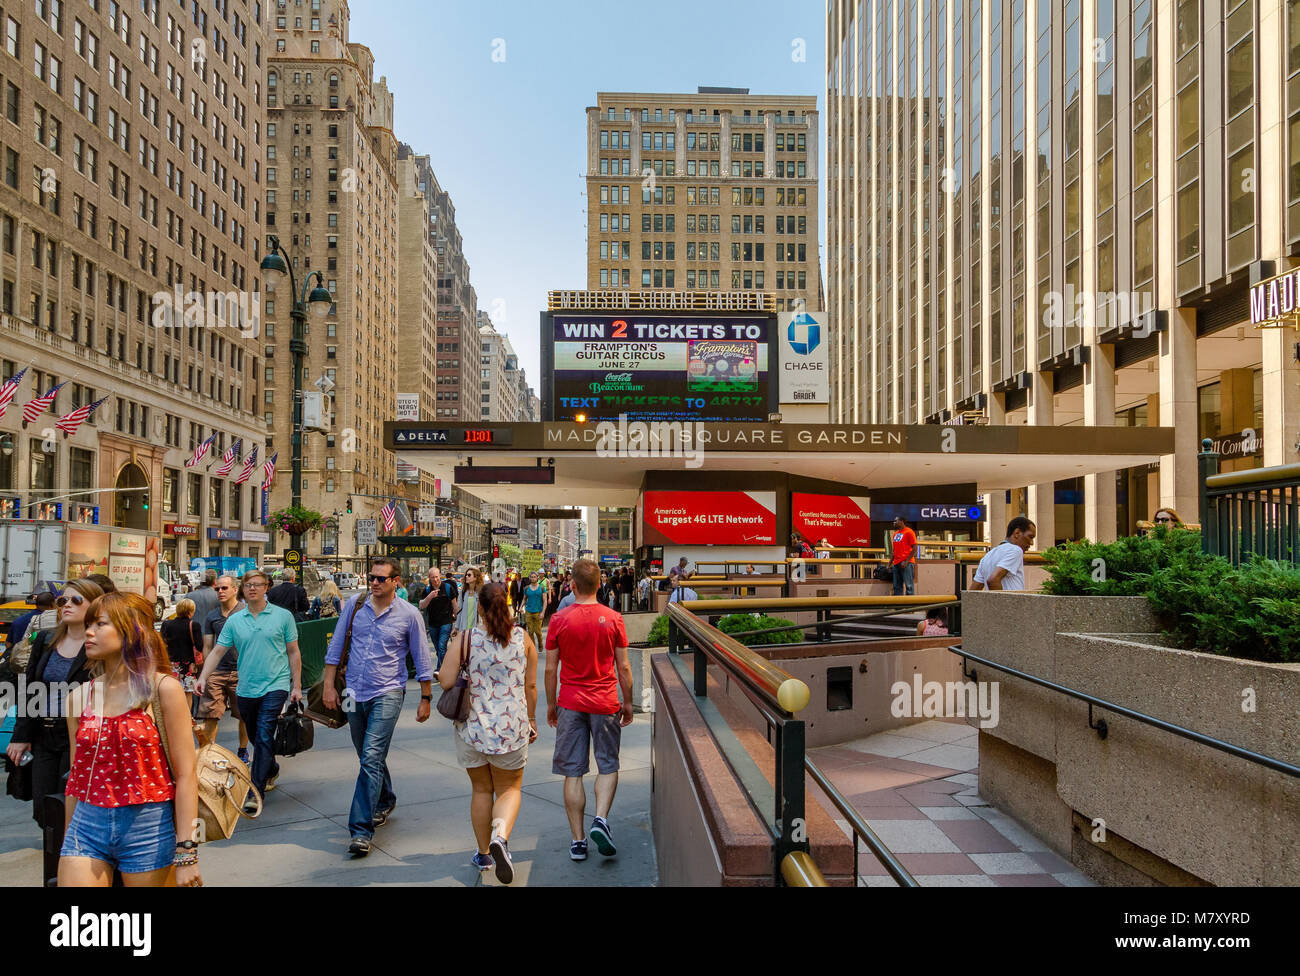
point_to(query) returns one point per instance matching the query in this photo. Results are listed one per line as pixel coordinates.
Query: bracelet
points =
(186, 860)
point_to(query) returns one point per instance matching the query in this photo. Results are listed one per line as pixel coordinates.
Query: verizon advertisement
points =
(842, 520)
(709, 518)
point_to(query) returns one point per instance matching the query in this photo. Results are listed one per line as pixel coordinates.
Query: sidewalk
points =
(302, 836)
(917, 789)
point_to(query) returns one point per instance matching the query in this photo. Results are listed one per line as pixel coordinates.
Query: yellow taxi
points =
(9, 612)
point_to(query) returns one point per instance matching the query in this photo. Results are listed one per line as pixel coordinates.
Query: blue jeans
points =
(371, 724)
(903, 573)
(259, 715)
(439, 634)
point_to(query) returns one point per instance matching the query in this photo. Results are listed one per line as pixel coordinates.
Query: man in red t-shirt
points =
(903, 541)
(590, 665)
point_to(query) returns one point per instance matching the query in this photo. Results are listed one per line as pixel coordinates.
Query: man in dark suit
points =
(290, 595)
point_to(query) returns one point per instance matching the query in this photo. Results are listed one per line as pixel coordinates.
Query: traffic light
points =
(144, 503)
(349, 504)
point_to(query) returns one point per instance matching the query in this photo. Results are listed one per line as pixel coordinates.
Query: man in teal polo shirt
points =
(270, 670)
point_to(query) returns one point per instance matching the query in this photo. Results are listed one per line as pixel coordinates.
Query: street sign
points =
(293, 559)
(367, 532)
(427, 513)
(505, 530)
(552, 513)
(327, 550)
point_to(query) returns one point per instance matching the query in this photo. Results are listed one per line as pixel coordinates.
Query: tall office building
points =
(331, 198)
(712, 191)
(132, 142)
(457, 364)
(417, 300)
(1054, 213)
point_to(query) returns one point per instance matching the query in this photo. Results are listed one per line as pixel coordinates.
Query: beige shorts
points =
(471, 758)
(218, 694)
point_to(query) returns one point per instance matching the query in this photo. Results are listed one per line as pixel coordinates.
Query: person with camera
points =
(381, 630)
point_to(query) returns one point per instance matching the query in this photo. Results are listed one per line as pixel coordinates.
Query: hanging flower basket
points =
(295, 520)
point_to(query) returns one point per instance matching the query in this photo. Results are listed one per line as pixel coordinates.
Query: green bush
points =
(733, 623)
(1204, 603)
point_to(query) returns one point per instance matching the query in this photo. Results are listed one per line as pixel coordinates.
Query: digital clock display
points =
(498, 436)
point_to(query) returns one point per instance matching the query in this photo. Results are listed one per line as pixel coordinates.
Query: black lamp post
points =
(274, 265)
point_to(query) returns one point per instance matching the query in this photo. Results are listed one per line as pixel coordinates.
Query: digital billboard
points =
(700, 518)
(841, 520)
(659, 366)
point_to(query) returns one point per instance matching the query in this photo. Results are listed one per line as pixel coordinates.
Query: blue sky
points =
(507, 138)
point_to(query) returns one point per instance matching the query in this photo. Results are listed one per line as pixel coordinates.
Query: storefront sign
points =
(178, 528)
(1244, 444)
(933, 512)
(728, 518)
(840, 519)
(1276, 302)
(238, 535)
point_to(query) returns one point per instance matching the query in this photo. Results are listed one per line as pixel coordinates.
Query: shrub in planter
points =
(1205, 604)
(735, 623)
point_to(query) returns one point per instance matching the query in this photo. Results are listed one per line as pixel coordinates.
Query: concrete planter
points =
(1174, 811)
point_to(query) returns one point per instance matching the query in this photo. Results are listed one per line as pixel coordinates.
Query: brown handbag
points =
(453, 703)
(334, 718)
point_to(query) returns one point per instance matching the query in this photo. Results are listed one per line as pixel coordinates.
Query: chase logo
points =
(804, 334)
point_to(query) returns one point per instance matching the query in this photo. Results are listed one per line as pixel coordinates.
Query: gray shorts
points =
(577, 734)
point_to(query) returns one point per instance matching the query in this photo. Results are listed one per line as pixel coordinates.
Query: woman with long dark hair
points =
(58, 661)
(492, 744)
(132, 801)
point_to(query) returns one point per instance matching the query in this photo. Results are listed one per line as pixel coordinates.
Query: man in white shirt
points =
(1003, 566)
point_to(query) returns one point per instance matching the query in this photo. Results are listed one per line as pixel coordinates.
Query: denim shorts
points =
(135, 839)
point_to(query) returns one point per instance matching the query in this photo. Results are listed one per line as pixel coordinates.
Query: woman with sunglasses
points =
(58, 660)
(132, 802)
(1168, 518)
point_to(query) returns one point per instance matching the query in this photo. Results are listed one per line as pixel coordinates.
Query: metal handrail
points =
(1281, 476)
(799, 870)
(762, 674)
(835, 621)
(1102, 730)
(861, 829)
(753, 603)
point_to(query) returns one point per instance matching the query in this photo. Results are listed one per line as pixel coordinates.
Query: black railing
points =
(1247, 513)
(861, 830)
(1103, 730)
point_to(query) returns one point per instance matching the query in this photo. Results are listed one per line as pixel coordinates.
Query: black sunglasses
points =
(76, 600)
(379, 579)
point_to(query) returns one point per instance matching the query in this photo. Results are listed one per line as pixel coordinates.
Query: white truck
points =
(36, 554)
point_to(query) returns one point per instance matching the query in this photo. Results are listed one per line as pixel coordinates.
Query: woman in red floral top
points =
(127, 809)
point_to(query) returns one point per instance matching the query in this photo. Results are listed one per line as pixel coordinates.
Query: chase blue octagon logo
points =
(805, 326)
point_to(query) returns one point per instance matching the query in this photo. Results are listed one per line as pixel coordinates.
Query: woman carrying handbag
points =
(58, 660)
(131, 805)
(494, 666)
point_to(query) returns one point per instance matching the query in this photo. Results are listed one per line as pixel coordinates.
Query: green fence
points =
(1256, 511)
(313, 641)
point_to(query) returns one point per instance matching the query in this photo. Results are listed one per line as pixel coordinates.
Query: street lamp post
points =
(274, 265)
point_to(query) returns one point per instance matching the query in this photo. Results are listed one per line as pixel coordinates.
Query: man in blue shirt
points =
(384, 631)
(270, 670)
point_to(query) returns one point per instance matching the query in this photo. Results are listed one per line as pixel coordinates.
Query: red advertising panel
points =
(703, 518)
(840, 519)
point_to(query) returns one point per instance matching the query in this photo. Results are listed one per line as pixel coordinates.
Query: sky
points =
(496, 94)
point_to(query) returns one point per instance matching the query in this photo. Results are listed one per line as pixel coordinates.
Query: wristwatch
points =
(186, 845)
(427, 698)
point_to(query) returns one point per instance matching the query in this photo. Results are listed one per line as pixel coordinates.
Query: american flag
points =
(389, 513)
(70, 424)
(200, 452)
(249, 463)
(10, 390)
(34, 408)
(228, 459)
(268, 470)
